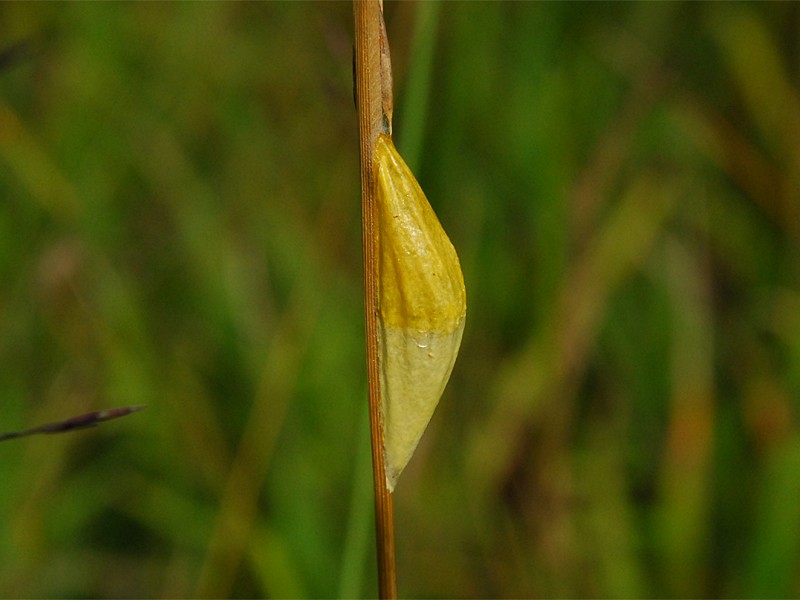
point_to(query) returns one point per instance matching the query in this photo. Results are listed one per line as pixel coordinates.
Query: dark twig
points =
(80, 422)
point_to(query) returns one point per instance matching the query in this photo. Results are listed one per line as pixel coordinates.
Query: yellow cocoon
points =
(422, 305)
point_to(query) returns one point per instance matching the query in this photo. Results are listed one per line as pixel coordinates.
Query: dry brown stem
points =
(372, 99)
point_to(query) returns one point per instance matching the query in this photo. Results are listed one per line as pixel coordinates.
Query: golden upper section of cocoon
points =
(420, 281)
(422, 306)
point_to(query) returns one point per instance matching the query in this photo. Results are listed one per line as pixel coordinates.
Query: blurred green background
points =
(180, 227)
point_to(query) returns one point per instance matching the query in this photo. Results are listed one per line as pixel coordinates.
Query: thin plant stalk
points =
(91, 419)
(373, 88)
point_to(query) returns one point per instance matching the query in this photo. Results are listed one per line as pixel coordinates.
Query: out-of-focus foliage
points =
(179, 227)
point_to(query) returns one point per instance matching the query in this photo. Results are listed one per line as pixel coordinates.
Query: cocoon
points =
(422, 307)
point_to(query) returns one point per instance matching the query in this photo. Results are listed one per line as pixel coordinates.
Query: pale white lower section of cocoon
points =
(415, 367)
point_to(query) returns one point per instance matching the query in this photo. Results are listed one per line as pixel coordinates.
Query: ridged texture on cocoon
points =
(422, 306)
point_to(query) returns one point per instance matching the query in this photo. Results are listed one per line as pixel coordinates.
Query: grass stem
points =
(371, 85)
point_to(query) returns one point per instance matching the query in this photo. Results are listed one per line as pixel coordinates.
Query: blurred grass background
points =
(179, 227)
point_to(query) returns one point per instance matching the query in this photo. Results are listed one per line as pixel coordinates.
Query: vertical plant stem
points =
(370, 86)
